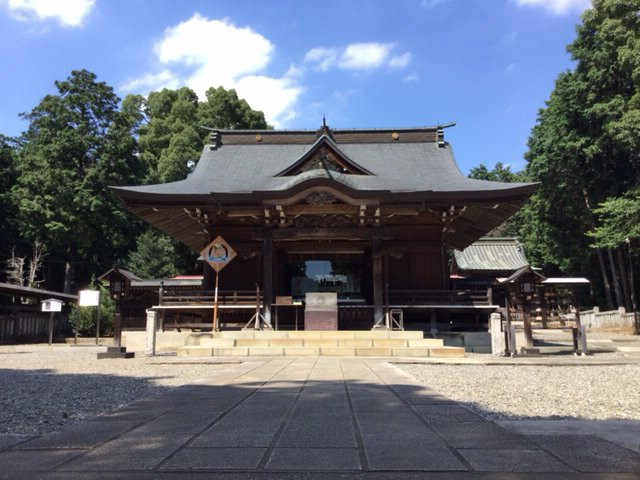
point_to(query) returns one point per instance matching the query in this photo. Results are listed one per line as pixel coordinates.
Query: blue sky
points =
(487, 65)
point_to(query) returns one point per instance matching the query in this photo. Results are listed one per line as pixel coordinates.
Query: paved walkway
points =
(308, 417)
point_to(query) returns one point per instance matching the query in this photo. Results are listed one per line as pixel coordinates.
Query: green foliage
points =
(159, 256)
(585, 145)
(619, 220)
(77, 144)
(501, 173)
(171, 135)
(8, 175)
(84, 319)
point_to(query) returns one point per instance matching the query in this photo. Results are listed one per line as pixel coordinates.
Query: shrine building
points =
(367, 214)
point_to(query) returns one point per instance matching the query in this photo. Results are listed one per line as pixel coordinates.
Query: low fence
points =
(20, 323)
(612, 320)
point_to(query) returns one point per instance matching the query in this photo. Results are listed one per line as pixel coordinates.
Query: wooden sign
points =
(218, 253)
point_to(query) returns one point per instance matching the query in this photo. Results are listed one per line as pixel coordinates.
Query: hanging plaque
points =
(218, 253)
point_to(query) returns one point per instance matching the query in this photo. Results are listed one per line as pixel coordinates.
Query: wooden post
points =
(98, 326)
(267, 278)
(215, 306)
(510, 344)
(387, 322)
(51, 328)
(378, 310)
(117, 327)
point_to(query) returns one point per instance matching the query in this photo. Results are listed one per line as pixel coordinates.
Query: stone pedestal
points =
(321, 311)
(497, 336)
(152, 318)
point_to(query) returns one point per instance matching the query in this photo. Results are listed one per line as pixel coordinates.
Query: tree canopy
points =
(78, 143)
(585, 147)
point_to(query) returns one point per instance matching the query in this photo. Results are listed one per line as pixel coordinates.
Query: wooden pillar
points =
(117, 324)
(378, 284)
(386, 292)
(267, 278)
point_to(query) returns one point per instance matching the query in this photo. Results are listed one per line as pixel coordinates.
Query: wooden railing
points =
(169, 297)
(440, 297)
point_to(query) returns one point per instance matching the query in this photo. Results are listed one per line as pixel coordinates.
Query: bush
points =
(83, 319)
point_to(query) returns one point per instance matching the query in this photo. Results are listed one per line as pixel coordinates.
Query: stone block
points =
(251, 342)
(512, 461)
(320, 342)
(216, 342)
(390, 342)
(230, 352)
(301, 351)
(337, 351)
(238, 334)
(411, 352)
(408, 334)
(216, 458)
(447, 352)
(371, 334)
(195, 351)
(314, 459)
(373, 352)
(355, 342)
(265, 351)
(426, 342)
(286, 342)
(271, 334)
(338, 334)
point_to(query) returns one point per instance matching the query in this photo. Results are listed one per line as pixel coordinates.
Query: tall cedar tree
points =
(9, 238)
(169, 137)
(585, 146)
(78, 143)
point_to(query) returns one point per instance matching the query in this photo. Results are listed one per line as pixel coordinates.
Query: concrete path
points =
(309, 417)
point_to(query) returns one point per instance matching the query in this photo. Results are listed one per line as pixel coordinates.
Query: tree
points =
(585, 147)
(154, 256)
(77, 144)
(9, 237)
(170, 135)
(500, 173)
(619, 220)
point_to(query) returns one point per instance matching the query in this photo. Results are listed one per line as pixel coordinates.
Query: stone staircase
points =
(333, 343)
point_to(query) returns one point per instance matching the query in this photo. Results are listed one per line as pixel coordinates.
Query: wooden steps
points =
(377, 343)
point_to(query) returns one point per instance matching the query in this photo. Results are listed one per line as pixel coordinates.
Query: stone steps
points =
(321, 351)
(326, 343)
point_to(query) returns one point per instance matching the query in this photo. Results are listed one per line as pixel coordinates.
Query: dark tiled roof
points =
(492, 254)
(415, 165)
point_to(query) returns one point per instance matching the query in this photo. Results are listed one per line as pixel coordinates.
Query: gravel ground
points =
(522, 392)
(42, 390)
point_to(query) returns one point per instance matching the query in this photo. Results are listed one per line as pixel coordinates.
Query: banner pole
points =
(215, 306)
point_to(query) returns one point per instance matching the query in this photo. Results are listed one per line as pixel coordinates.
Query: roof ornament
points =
(215, 139)
(324, 129)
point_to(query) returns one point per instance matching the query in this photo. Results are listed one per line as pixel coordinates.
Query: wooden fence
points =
(21, 323)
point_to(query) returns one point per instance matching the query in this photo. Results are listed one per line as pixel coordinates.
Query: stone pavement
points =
(308, 417)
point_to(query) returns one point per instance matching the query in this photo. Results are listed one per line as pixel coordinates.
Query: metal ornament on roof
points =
(218, 253)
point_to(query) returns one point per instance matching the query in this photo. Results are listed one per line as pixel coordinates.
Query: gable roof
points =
(318, 149)
(491, 254)
(415, 166)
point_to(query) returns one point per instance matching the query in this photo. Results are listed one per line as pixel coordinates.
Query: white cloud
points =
(412, 77)
(151, 81)
(557, 7)
(70, 13)
(203, 53)
(400, 61)
(323, 58)
(356, 56)
(510, 68)
(364, 56)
